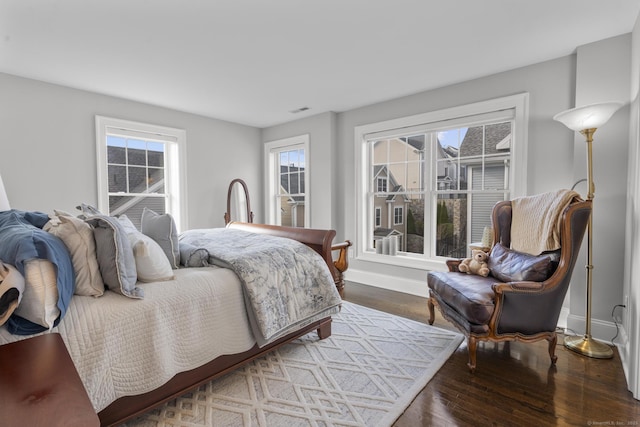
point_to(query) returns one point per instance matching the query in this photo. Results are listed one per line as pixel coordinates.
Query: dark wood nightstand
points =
(39, 385)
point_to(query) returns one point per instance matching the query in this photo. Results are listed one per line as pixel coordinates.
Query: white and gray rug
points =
(365, 374)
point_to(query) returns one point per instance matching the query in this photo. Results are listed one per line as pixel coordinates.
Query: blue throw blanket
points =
(286, 284)
(22, 239)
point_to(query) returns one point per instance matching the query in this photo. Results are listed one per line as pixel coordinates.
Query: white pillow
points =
(152, 264)
(162, 229)
(77, 236)
(40, 298)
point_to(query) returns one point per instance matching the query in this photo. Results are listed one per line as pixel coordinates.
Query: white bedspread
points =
(121, 346)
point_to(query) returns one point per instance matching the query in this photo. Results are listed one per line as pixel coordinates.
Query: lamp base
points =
(589, 347)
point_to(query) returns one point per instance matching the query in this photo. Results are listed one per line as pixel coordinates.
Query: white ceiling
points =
(253, 61)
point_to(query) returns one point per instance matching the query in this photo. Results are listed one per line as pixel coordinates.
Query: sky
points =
(452, 137)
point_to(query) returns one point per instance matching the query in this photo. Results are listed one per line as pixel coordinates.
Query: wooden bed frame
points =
(129, 407)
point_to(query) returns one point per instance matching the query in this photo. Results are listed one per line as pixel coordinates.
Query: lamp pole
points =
(587, 120)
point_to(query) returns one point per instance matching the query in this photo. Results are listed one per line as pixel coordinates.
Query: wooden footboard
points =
(129, 407)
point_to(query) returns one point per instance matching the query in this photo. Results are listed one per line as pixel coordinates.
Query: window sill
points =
(404, 261)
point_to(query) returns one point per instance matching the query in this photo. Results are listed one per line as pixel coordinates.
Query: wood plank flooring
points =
(514, 383)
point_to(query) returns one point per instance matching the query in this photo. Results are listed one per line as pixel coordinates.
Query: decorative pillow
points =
(11, 290)
(508, 265)
(115, 256)
(151, 263)
(191, 256)
(22, 241)
(77, 236)
(40, 298)
(162, 229)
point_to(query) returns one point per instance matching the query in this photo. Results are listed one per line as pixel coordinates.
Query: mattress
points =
(122, 346)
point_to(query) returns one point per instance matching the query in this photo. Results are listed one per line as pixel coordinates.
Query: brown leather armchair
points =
(522, 297)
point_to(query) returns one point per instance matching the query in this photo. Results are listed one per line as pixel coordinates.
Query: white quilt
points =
(121, 346)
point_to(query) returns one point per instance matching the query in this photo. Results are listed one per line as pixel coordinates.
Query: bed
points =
(134, 352)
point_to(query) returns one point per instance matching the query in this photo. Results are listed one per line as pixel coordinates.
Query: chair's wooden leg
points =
(472, 344)
(432, 314)
(553, 341)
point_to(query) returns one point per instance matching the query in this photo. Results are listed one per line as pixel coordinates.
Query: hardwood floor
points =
(514, 383)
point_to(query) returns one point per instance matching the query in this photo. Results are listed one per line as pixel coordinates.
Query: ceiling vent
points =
(299, 110)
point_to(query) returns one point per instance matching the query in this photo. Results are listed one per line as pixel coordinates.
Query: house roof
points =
(472, 143)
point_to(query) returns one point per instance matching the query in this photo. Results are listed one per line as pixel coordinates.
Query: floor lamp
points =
(587, 120)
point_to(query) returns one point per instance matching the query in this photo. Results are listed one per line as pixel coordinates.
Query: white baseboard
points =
(600, 330)
(392, 283)
(564, 315)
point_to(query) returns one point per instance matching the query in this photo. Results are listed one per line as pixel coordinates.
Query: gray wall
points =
(630, 332)
(48, 149)
(556, 159)
(603, 74)
(550, 148)
(322, 168)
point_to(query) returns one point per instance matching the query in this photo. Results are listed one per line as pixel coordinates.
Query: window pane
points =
(380, 154)
(301, 159)
(291, 211)
(116, 155)
(155, 154)
(451, 226)
(415, 226)
(137, 156)
(155, 179)
(137, 179)
(398, 149)
(293, 158)
(284, 161)
(117, 179)
(397, 177)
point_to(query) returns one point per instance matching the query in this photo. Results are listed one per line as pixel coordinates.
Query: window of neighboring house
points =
(382, 185)
(449, 167)
(139, 166)
(398, 216)
(287, 183)
(378, 220)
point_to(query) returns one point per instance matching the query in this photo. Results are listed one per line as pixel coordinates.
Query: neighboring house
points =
(390, 211)
(497, 146)
(292, 207)
(139, 184)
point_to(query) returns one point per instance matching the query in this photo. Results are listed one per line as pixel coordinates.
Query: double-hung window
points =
(442, 174)
(287, 183)
(139, 167)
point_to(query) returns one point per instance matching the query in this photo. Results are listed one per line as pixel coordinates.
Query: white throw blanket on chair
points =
(535, 221)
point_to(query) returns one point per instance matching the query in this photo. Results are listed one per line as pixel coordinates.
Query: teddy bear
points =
(477, 264)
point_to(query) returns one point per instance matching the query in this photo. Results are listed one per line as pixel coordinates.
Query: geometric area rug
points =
(365, 374)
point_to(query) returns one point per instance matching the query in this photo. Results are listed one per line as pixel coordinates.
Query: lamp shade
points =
(589, 116)
(4, 201)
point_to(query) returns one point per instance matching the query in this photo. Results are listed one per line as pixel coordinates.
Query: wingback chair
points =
(522, 297)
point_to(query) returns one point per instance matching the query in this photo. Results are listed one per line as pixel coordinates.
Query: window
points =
(382, 185)
(398, 216)
(443, 172)
(138, 167)
(287, 181)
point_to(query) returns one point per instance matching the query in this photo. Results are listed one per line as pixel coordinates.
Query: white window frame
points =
(272, 150)
(452, 116)
(175, 141)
